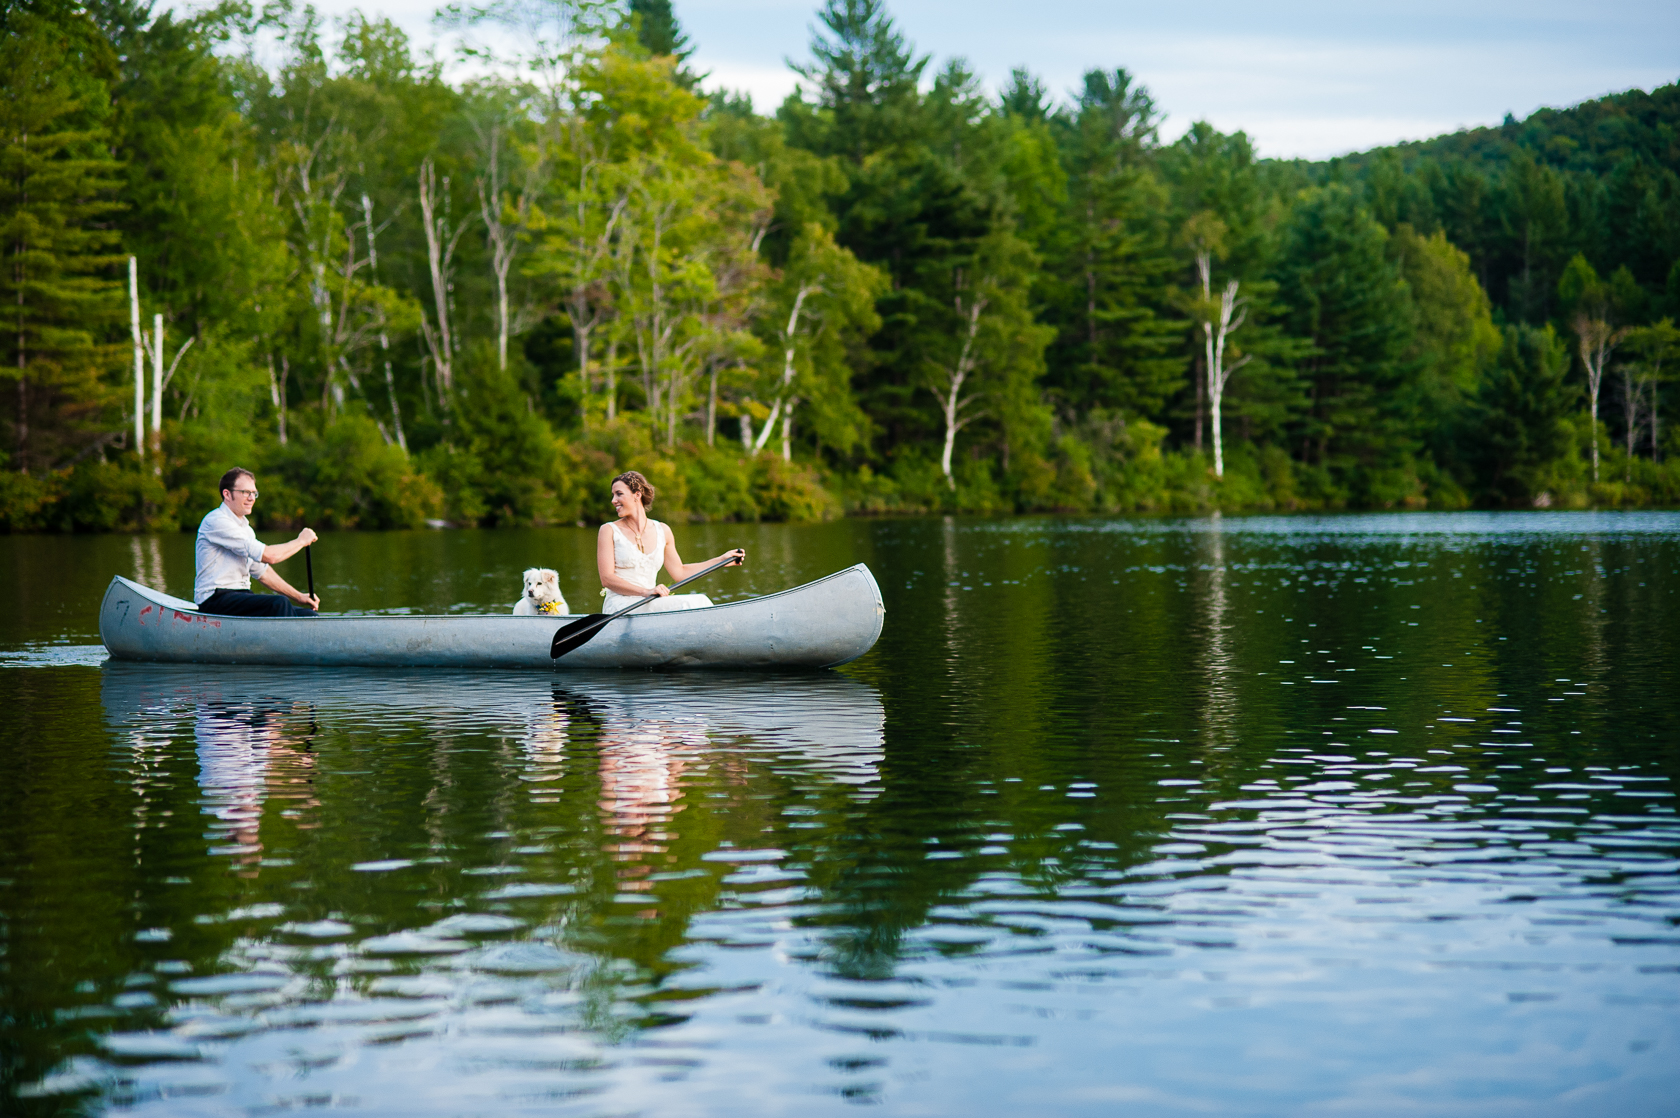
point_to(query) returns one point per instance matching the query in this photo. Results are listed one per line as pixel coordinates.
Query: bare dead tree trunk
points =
(384, 336)
(612, 376)
(504, 238)
(1632, 391)
(711, 408)
(1656, 398)
(1231, 316)
(789, 350)
(1196, 378)
(952, 402)
(583, 307)
(1597, 340)
(285, 375)
(139, 357)
(157, 393)
(440, 254)
(1232, 313)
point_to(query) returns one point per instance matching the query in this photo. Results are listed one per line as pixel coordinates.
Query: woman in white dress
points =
(629, 553)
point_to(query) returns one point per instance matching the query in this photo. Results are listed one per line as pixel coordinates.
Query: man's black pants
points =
(243, 603)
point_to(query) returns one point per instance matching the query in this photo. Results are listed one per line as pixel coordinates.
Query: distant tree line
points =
(400, 298)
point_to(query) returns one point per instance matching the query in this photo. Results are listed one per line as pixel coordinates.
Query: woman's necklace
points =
(640, 534)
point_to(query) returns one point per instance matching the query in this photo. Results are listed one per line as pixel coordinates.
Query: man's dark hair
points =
(231, 478)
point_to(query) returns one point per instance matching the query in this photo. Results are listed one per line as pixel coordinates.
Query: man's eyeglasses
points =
(251, 493)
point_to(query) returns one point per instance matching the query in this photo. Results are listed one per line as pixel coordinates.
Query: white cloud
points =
(769, 85)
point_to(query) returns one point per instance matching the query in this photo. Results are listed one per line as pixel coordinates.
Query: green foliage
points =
(403, 299)
(1524, 411)
(345, 475)
(1344, 295)
(1453, 342)
(56, 180)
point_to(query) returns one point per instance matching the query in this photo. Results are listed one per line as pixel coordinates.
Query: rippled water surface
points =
(1365, 815)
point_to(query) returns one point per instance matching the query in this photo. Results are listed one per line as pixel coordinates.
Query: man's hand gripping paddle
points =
(583, 630)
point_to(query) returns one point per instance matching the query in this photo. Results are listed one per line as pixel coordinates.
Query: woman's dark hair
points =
(638, 485)
(231, 478)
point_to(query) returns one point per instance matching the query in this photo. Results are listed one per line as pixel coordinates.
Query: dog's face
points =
(542, 585)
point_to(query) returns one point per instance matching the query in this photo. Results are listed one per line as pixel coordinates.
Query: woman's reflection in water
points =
(247, 755)
(641, 768)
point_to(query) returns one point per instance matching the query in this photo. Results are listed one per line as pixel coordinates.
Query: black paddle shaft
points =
(583, 630)
(309, 569)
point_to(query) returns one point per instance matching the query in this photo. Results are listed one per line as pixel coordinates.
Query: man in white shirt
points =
(229, 556)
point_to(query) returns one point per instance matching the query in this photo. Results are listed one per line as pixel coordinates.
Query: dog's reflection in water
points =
(249, 754)
(548, 733)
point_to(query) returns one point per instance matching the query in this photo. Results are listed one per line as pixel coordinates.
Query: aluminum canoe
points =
(818, 625)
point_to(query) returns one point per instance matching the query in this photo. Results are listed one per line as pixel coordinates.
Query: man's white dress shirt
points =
(227, 553)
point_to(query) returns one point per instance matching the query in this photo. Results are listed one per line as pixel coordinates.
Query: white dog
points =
(542, 593)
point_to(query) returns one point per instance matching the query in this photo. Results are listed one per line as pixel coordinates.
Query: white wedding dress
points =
(640, 568)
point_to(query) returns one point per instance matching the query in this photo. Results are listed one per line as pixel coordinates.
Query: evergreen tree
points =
(864, 79)
(658, 31)
(56, 184)
(1523, 411)
(1346, 299)
(1108, 263)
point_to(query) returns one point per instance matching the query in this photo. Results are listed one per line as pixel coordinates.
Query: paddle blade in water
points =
(577, 634)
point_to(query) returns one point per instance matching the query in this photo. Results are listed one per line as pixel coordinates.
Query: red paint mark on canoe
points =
(189, 618)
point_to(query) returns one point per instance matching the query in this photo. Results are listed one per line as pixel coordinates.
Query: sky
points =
(1304, 78)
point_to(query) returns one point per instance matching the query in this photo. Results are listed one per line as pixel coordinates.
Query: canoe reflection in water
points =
(254, 728)
(500, 864)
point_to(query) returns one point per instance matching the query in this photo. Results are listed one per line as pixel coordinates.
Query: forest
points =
(257, 237)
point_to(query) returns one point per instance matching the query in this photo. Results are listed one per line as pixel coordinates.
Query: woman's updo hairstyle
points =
(638, 485)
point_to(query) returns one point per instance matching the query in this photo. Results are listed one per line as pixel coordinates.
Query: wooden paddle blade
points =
(577, 634)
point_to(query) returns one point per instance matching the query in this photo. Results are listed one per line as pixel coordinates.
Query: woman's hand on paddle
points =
(662, 590)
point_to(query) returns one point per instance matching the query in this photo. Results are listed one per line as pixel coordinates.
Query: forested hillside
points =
(401, 298)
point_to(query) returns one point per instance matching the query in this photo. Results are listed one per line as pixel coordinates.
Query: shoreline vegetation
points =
(400, 299)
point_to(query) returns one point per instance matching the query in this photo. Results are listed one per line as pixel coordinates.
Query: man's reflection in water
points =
(247, 754)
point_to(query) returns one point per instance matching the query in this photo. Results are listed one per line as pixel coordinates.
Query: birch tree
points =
(1658, 344)
(661, 281)
(384, 333)
(506, 218)
(1218, 318)
(1595, 340)
(956, 407)
(576, 248)
(994, 353)
(442, 237)
(820, 311)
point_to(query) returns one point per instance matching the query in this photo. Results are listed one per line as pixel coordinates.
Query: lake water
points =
(1367, 815)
